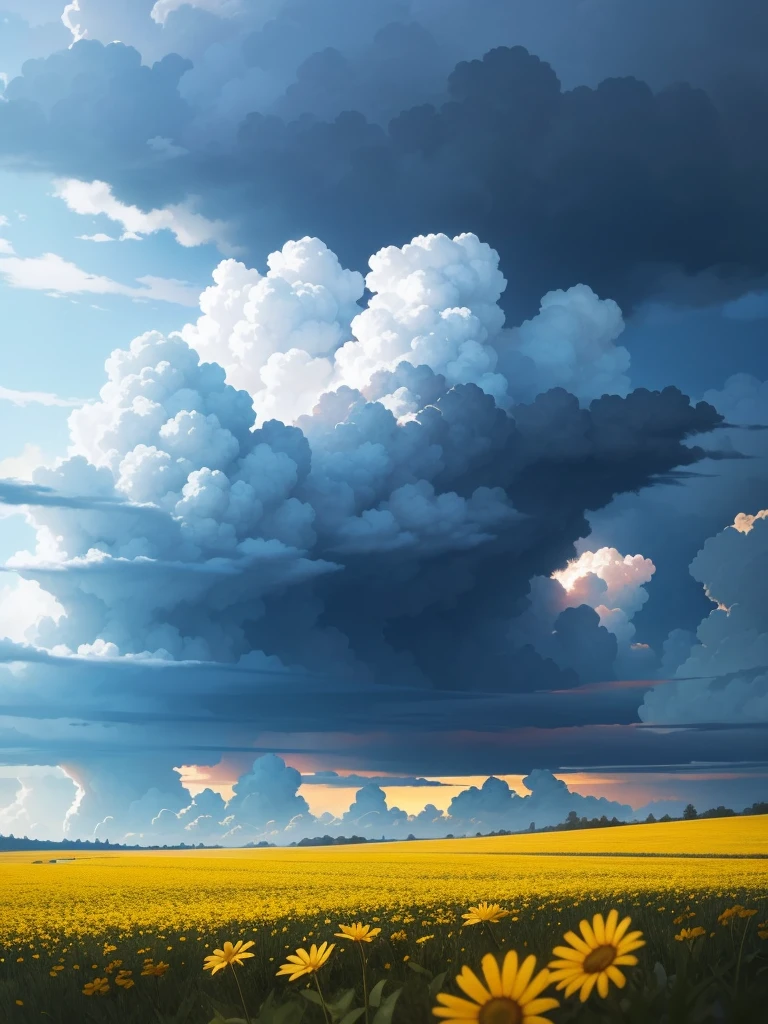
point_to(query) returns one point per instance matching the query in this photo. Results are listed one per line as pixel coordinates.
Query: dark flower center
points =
(599, 959)
(501, 1010)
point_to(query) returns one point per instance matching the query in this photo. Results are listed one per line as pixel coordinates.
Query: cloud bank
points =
(213, 559)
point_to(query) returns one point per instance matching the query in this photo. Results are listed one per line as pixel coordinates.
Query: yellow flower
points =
(689, 934)
(357, 932)
(303, 962)
(158, 969)
(221, 958)
(594, 958)
(735, 911)
(490, 912)
(99, 986)
(19, 1002)
(510, 995)
(400, 936)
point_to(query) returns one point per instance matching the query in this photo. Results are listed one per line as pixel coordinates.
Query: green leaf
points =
(289, 1013)
(312, 996)
(374, 996)
(436, 984)
(342, 1003)
(418, 968)
(387, 1008)
(660, 974)
(353, 1015)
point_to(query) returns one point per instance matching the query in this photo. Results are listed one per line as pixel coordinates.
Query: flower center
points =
(501, 1011)
(599, 959)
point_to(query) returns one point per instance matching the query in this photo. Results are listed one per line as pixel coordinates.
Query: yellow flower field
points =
(206, 889)
(135, 927)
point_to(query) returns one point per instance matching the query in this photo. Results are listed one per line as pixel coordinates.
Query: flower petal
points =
(492, 974)
(461, 1007)
(630, 947)
(540, 1006)
(524, 976)
(471, 985)
(598, 927)
(572, 986)
(578, 943)
(509, 971)
(616, 976)
(602, 985)
(589, 936)
(625, 961)
(566, 953)
(542, 980)
(610, 925)
(586, 988)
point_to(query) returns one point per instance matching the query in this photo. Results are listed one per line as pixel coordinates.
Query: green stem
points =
(242, 1000)
(365, 982)
(322, 999)
(738, 962)
(490, 932)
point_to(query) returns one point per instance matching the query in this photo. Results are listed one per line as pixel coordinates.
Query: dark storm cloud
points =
(614, 185)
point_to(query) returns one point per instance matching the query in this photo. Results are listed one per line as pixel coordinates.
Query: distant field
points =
(745, 836)
(64, 925)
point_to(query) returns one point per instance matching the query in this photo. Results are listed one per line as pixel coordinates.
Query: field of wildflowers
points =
(465, 930)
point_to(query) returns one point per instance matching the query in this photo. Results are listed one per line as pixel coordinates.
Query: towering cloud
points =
(728, 661)
(214, 560)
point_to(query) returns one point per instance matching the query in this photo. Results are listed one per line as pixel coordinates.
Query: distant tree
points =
(757, 808)
(532, 827)
(411, 835)
(689, 813)
(650, 820)
(665, 818)
(718, 812)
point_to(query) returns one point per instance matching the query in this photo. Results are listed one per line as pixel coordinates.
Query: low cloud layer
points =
(267, 807)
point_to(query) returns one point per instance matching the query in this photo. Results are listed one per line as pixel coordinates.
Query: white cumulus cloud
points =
(52, 274)
(93, 198)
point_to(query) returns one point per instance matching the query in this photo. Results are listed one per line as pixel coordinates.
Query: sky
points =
(383, 410)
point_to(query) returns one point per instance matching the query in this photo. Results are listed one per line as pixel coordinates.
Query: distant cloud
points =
(98, 237)
(6, 249)
(23, 398)
(163, 8)
(330, 778)
(752, 306)
(91, 198)
(57, 276)
(165, 148)
(21, 466)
